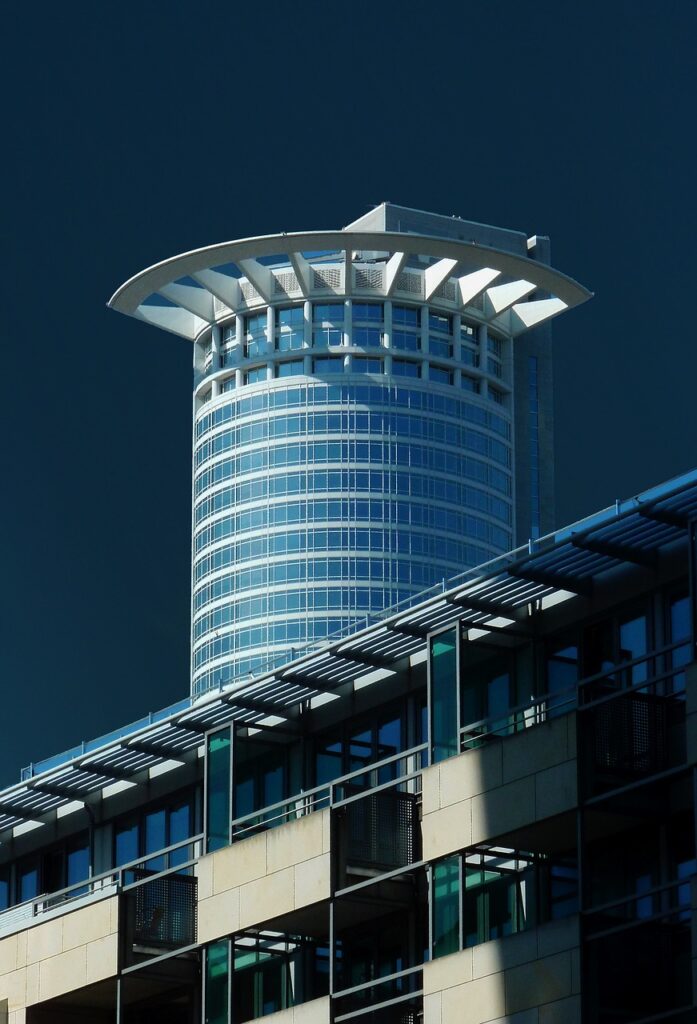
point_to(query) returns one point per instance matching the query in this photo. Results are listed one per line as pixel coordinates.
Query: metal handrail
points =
(114, 876)
(311, 797)
(534, 703)
(377, 981)
(571, 694)
(633, 662)
(635, 897)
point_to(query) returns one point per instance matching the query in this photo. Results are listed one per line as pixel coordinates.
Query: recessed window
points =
(327, 364)
(468, 333)
(470, 384)
(496, 396)
(228, 384)
(366, 364)
(255, 375)
(328, 313)
(439, 375)
(293, 316)
(405, 368)
(367, 311)
(327, 336)
(229, 334)
(255, 334)
(440, 322)
(406, 316)
(367, 337)
(293, 368)
(440, 347)
(290, 329)
(406, 341)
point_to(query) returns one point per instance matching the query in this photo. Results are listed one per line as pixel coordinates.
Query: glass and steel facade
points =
(337, 478)
(354, 421)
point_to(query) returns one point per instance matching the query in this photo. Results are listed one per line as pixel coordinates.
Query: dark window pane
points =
(126, 843)
(217, 983)
(179, 830)
(155, 837)
(218, 785)
(445, 740)
(27, 881)
(78, 863)
(446, 906)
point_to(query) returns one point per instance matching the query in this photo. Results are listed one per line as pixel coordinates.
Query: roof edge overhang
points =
(138, 288)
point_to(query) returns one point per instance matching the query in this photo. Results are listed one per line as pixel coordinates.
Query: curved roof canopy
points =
(188, 293)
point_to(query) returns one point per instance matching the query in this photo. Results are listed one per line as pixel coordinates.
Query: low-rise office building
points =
(480, 808)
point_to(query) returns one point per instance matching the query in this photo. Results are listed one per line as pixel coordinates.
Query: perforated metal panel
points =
(326, 277)
(412, 283)
(381, 831)
(164, 911)
(284, 282)
(369, 278)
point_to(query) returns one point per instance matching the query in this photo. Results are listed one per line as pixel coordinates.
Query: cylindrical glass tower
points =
(354, 415)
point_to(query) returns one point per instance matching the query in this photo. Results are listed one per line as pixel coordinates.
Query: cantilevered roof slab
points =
(449, 272)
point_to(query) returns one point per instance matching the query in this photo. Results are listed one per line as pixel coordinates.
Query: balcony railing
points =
(101, 886)
(402, 989)
(631, 722)
(519, 718)
(405, 766)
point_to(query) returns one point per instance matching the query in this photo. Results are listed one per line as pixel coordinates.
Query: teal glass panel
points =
(444, 716)
(446, 907)
(217, 983)
(218, 791)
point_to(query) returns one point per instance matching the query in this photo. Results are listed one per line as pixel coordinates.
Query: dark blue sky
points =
(136, 131)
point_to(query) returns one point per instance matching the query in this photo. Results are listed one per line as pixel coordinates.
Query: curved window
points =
(440, 322)
(328, 364)
(367, 337)
(366, 364)
(440, 347)
(294, 367)
(290, 329)
(328, 313)
(255, 335)
(406, 341)
(406, 315)
(255, 375)
(405, 368)
(366, 311)
(439, 375)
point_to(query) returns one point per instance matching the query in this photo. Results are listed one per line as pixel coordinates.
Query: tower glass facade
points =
(354, 421)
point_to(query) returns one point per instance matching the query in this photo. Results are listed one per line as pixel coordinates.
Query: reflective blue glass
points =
(406, 315)
(366, 311)
(404, 368)
(328, 364)
(291, 368)
(328, 312)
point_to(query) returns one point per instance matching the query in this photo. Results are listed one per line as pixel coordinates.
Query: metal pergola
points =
(498, 595)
